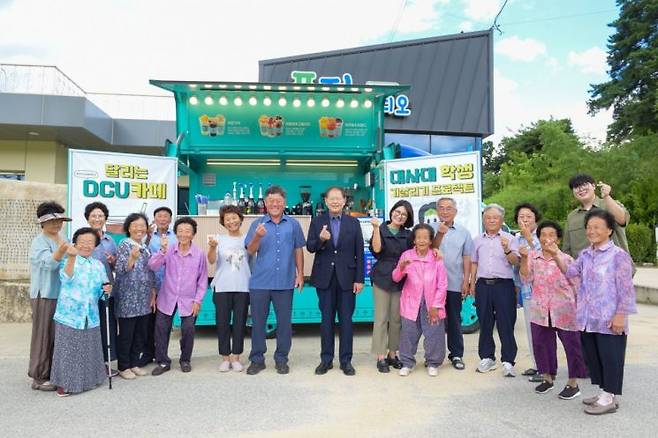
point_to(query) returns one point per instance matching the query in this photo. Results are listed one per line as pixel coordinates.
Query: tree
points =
(632, 90)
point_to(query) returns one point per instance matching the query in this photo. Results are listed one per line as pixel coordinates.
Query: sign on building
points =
(126, 183)
(423, 180)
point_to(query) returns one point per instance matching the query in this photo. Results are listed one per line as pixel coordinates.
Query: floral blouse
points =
(553, 295)
(132, 288)
(606, 287)
(77, 305)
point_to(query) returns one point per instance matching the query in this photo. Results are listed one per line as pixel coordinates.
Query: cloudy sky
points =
(545, 59)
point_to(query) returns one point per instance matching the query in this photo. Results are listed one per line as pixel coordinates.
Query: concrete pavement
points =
(207, 403)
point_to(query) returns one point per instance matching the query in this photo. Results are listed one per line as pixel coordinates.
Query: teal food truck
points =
(235, 139)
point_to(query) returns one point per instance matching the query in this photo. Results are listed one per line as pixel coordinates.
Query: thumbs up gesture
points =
(164, 244)
(134, 251)
(325, 234)
(260, 230)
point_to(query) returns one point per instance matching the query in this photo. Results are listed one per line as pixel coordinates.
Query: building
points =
(448, 109)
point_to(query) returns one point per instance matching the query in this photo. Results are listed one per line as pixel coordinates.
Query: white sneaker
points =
(138, 371)
(237, 366)
(432, 371)
(486, 365)
(127, 374)
(508, 370)
(225, 366)
(404, 371)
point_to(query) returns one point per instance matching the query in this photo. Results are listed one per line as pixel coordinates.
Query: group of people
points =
(81, 291)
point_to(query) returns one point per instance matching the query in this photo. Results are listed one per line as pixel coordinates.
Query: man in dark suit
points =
(337, 275)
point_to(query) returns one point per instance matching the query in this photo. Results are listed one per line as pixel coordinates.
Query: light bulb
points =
(325, 103)
(310, 103)
(223, 101)
(296, 103)
(283, 101)
(340, 103)
(208, 100)
(193, 100)
(252, 101)
(267, 101)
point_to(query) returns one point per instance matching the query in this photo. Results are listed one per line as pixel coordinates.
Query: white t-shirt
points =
(233, 271)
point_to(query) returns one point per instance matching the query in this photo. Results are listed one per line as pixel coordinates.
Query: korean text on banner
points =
(423, 180)
(126, 183)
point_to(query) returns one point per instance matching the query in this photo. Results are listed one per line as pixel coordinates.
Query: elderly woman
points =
(184, 286)
(388, 242)
(606, 297)
(78, 359)
(231, 287)
(96, 215)
(46, 251)
(552, 311)
(492, 285)
(134, 295)
(526, 217)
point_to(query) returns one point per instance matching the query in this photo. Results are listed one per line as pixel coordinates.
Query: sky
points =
(548, 54)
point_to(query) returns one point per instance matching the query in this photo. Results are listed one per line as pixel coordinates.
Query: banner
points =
(423, 180)
(126, 183)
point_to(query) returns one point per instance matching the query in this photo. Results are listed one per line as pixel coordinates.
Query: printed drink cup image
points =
(339, 127)
(263, 124)
(331, 127)
(323, 126)
(213, 127)
(221, 124)
(277, 128)
(204, 124)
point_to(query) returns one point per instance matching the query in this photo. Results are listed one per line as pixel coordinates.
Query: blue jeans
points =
(260, 300)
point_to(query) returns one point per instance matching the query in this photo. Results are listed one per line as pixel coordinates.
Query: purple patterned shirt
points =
(606, 287)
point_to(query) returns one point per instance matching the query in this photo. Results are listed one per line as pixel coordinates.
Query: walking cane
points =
(107, 332)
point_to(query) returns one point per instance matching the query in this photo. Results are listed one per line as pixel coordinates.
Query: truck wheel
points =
(270, 331)
(470, 323)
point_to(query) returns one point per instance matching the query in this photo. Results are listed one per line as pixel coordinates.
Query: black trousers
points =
(605, 356)
(149, 344)
(336, 301)
(163, 323)
(496, 304)
(113, 328)
(454, 324)
(227, 304)
(132, 334)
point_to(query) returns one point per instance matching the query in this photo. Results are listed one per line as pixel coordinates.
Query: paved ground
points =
(207, 403)
(647, 277)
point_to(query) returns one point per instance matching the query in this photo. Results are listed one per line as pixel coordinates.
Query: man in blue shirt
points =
(277, 240)
(162, 217)
(456, 245)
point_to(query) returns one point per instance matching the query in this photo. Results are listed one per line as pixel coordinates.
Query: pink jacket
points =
(424, 274)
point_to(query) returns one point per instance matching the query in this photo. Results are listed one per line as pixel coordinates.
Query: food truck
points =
(234, 139)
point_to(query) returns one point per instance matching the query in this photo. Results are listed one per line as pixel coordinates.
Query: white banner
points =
(126, 183)
(423, 180)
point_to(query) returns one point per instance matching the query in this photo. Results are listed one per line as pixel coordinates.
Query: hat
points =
(53, 216)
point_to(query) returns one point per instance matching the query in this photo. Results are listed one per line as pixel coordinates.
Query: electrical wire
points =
(397, 21)
(495, 22)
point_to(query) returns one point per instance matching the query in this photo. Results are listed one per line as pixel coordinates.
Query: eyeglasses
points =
(400, 213)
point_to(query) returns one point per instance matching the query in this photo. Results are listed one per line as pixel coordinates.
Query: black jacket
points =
(346, 258)
(393, 245)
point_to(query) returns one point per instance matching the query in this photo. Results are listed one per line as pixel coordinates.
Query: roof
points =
(190, 87)
(451, 78)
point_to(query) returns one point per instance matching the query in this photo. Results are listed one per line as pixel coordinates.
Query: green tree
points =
(541, 159)
(632, 90)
